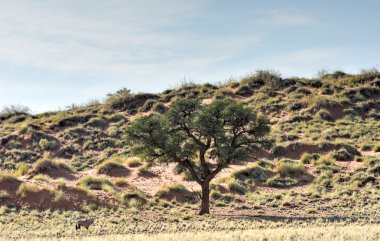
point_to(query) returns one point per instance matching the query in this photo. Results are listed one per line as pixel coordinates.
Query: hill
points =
(325, 162)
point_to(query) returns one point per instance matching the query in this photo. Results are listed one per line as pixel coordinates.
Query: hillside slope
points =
(327, 151)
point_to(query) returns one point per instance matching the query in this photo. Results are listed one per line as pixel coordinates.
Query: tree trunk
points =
(205, 205)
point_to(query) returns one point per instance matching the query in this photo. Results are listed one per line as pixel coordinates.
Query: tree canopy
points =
(204, 139)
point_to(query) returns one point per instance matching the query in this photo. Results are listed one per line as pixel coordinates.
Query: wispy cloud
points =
(287, 18)
(115, 37)
(313, 55)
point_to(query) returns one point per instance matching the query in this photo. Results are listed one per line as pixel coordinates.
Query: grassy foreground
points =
(344, 233)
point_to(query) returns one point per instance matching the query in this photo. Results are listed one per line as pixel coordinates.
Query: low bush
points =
(22, 169)
(133, 162)
(3, 195)
(325, 115)
(236, 186)
(106, 167)
(159, 108)
(288, 169)
(133, 199)
(307, 158)
(176, 191)
(278, 181)
(322, 183)
(367, 147)
(41, 177)
(252, 172)
(6, 176)
(244, 90)
(278, 151)
(48, 145)
(94, 183)
(26, 188)
(376, 148)
(341, 155)
(148, 105)
(43, 166)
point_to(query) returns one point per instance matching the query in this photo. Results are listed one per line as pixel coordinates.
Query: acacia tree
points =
(203, 139)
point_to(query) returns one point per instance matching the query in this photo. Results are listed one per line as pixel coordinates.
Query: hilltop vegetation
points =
(325, 161)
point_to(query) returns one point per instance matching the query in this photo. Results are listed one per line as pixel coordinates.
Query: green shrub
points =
(322, 183)
(26, 188)
(278, 181)
(3, 195)
(113, 131)
(252, 172)
(325, 164)
(278, 151)
(148, 105)
(6, 176)
(41, 177)
(122, 183)
(341, 155)
(307, 158)
(43, 166)
(236, 186)
(59, 196)
(244, 90)
(48, 145)
(96, 122)
(215, 194)
(94, 183)
(133, 199)
(106, 167)
(325, 115)
(376, 148)
(290, 170)
(159, 108)
(367, 147)
(133, 162)
(22, 169)
(176, 191)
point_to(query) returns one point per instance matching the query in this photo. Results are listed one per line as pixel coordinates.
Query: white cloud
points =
(287, 18)
(109, 37)
(313, 55)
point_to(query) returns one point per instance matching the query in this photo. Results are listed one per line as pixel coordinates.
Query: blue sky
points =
(55, 53)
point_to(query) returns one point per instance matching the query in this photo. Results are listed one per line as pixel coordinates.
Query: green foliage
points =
(252, 172)
(94, 183)
(325, 115)
(323, 183)
(376, 148)
(6, 176)
(307, 158)
(189, 128)
(22, 169)
(175, 191)
(133, 162)
(48, 145)
(238, 187)
(290, 169)
(43, 166)
(278, 181)
(159, 108)
(107, 166)
(326, 164)
(244, 90)
(341, 155)
(3, 195)
(26, 188)
(148, 105)
(133, 199)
